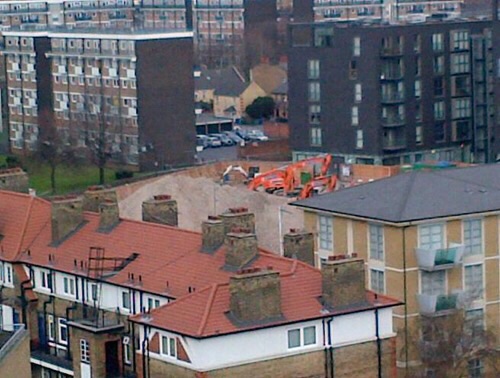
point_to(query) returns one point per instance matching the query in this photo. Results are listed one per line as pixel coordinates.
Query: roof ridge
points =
(155, 225)
(443, 175)
(208, 308)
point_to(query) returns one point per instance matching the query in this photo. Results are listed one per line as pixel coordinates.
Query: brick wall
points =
(270, 150)
(17, 362)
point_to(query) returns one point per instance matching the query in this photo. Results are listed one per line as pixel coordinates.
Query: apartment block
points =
(104, 296)
(386, 10)
(394, 94)
(111, 87)
(429, 239)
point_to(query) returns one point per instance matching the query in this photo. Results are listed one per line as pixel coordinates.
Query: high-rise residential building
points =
(393, 94)
(129, 90)
(387, 10)
(430, 239)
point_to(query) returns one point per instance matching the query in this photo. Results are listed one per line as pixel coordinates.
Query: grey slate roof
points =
(417, 195)
(226, 81)
(281, 89)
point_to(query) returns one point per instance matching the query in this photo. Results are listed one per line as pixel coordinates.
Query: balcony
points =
(437, 304)
(394, 144)
(392, 51)
(391, 74)
(393, 121)
(393, 98)
(439, 259)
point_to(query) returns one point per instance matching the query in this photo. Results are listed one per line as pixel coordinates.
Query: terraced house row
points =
(105, 296)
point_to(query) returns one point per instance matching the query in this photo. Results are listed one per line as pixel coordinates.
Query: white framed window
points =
(359, 139)
(7, 273)
(473, 281)
(431, 236)
(51, 329)
(474, 322)
(356, 46)
(377, 280)
(69, 286)
(168, 346)
(376, 242)
(62, 331)
(325, 233)
(127, 352)
(299, 337)
(126, 300)
(437, 42)
(358, 92)
(314, 91)
(355, 116)
(45, 280)
(433, 283)
(316, 136)
(1, 271)
(475, 368)
(153, 303)
(473, 236)
(313, 69)
(84, 351)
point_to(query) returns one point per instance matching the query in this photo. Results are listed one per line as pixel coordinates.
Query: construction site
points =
(264, 188)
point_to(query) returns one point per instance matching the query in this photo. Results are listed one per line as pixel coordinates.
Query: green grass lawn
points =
(68, 178)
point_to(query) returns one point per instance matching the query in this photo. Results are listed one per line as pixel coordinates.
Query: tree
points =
(261, 107)
(54, 150)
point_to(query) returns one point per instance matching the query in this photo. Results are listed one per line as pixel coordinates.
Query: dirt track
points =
(199, 197)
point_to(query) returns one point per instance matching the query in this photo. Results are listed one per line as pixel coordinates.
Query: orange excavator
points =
(322, 184)
(317, 166)
(270, 181)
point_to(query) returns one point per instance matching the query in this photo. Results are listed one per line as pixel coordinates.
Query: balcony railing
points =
(392, 144)
(391, 74)
(394, 97)
(439, 259)
(392, 121)
(391, 51)
(438, 304)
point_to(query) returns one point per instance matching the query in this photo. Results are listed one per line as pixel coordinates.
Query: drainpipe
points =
(330, 348)
(405, 300)
(24, 302)
(145, 349)
(47, 302)
(325, 349)
(379, 345)
(73, 307)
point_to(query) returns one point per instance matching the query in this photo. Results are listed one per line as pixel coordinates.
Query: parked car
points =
(202, 141)
(242, 134)
(233, 136)
(257, 135)
(225, 140)
(214, 142)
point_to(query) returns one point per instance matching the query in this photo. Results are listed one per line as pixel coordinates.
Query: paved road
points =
(217, 154)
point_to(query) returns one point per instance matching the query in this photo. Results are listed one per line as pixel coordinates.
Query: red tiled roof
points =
(169, 261)
(204, 313)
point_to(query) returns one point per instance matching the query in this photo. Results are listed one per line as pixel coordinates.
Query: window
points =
(69, 286)
(377, 281)
(355, 116)
(439, 134)
(94, 291)
(474, 322)
(473, 281)
(301, 337)
(359, 139)
(376, 242)
(153, 303)
(63, 331)
(460, 40)
(438, 87)
(418, 88)
(353, 70)
(438, 64)
(45, 280)
(437, 42)
(127, 358)
(316, 136)
(313, 69)
(314, 114)
(325, 232)
(461, 108)
(433, 283)
(84, 351)
(51, 330)
(126, 300)
(358, 92)
(314, 91)
(476, 368)
(431, 236)
(8, 273)
(473, 238)
(168, 346)
(460, 63)
(356, 46)
(439, 112)
(1, 271)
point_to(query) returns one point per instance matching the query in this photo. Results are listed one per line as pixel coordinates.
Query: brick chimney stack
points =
(14, 179)
(95, 195)
(160, 209)
(212, 234)
(299, 245)
(109, 215)
(241, 248)
(255, 295)
(66, 216)
(343, 281)
(238, 217)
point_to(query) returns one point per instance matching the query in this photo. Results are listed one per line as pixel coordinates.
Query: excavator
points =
(270, 181)
(322, 184)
